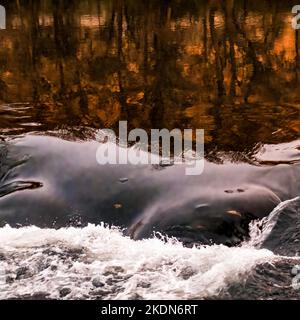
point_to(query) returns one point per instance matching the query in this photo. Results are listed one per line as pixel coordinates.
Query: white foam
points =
(49, 255)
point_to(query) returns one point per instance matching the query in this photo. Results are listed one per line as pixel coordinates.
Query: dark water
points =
(229, 67)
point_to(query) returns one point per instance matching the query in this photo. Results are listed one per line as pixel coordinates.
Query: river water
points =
(229, 67)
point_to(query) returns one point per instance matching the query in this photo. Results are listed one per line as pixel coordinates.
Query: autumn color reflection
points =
(229, 67)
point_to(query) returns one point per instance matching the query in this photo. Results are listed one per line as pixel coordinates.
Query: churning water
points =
(98, 262)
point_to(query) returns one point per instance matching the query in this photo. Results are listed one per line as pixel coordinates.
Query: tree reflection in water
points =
(229, 67)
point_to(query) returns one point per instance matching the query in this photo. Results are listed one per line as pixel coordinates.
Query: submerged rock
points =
(99, 294)
(281, 230)
(97, 283)
(268, 281)
(144, 285)
(136, 297)
(23, 273)
(187, 273)
(114, 270)
(9, 280)
(35, 296)
(64, 292)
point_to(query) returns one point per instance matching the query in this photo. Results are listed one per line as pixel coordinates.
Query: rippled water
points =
(231, 68)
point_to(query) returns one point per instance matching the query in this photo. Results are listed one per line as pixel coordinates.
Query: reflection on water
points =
(229, 67)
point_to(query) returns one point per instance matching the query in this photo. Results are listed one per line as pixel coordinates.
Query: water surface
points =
(70, 68)
(229, 67)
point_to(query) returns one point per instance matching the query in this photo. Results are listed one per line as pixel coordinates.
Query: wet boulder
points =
(281, 230)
